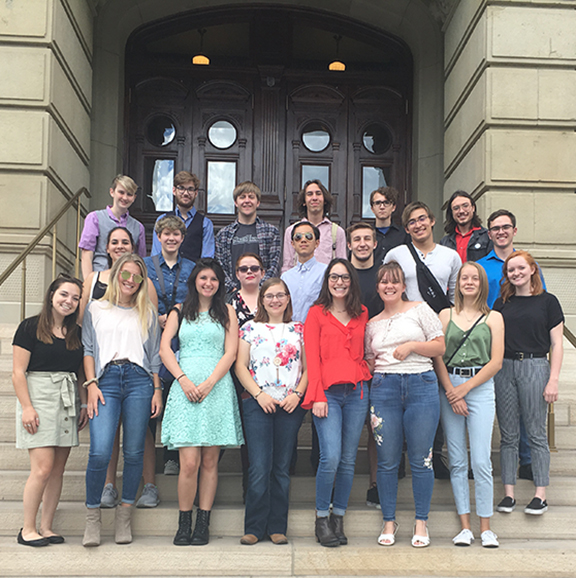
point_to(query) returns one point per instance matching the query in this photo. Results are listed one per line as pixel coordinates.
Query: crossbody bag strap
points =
(466, 335)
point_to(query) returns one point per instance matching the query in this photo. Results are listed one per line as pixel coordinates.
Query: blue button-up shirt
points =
(304, 281)
(169, 275)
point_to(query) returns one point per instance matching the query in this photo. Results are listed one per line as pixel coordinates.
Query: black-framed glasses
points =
(300, 236)
(269, 297)
(345, 277)
(251, 268)
(187, 189)
(386, 203)
(497, 229)
(135, 277)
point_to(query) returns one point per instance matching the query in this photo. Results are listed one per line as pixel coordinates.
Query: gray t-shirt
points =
(244, 241)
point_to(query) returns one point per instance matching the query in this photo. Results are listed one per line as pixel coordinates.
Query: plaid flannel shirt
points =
(269, 248)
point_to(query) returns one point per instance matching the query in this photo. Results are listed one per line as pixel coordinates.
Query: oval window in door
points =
(377, 138)
(222, 134)
(316, 137)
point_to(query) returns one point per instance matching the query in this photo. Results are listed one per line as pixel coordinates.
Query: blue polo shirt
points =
(304, 281)
(493, 266)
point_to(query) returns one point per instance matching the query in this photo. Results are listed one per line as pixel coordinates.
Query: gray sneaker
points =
(110, 498)
(149, 497)
(171, 468)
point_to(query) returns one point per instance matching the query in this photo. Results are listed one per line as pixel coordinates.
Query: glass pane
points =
(372, 178)
(162, 182)
(221, 183)
(316, 137)
(320, 172)
(161, 131)
(377, 139)
(222, 134)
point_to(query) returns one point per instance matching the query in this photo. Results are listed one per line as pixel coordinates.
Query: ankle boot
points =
(201, 533)
(122, 529)
(337, 525)
(184, 532)
(324, 533)
(93, 525)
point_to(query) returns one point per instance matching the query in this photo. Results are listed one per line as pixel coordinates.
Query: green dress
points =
(216, 420)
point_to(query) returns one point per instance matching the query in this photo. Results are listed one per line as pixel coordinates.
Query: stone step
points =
(224, 556)
(361, 521)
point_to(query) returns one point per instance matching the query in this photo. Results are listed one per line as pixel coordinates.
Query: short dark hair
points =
(450, 223)
(360, 225)
(251, 255)
(390, 193)
(409, 209)
(314, 228)
(501, 213)
(301, 201)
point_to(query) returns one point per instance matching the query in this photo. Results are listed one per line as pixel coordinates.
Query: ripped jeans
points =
(404, 406)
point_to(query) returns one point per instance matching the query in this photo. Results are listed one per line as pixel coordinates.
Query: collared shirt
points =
(462, 242)
(304, 282)
(269, 245)
(493, 266)
(184, 265)
(207, 233)
(323, 253)
(442, 261)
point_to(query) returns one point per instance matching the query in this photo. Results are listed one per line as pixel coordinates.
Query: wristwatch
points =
(298, 393)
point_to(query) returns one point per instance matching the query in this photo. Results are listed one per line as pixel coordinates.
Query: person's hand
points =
(403, 351)
(290, 403)
(82, 418)
(30, 420)
(94, 396)
(189, 389)
(551, 392)
(204, 389)
(156, 403)
(162, 320)
(460, 407)
(455, 394)
(267, 402)
(320, 408)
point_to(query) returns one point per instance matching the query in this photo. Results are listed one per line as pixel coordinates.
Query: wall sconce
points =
(337, 64)
(201, 58)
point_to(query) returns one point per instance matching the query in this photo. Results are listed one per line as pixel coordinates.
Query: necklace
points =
(277, 361)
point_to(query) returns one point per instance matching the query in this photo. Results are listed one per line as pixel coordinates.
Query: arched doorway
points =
(267, 109)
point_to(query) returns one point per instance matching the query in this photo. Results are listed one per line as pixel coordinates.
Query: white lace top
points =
(382, 337)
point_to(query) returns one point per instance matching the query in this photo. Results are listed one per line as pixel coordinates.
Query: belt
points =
(521, 356)
(464, 371)
(123, 361)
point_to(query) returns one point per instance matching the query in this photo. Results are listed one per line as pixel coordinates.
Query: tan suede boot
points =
(122, 529)
(93, 525)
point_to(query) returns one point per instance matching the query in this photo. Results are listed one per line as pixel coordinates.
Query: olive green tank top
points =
(475, 351)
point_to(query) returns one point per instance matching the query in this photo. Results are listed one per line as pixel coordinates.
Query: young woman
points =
(202, 411)
(249, 271)
(527, 382)
(337, 392)
(47, 356)
(474, 349)
(271, 366)
(121, 339)
(404, 403)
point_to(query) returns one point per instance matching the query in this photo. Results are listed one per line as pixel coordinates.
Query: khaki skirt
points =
(55, 398)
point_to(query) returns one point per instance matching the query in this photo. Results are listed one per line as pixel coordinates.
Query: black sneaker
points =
(536, 507)
(525, 472)
(372, 497)
(507, 505)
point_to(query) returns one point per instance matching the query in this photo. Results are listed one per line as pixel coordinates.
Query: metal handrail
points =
(21, 258)
(570, 336)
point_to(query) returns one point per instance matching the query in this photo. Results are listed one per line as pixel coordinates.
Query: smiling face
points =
(249, 272)
(469, 284)
(314, 199)
(65, 300)
(462, 210)
(207, 283)
(185, 194)
(119, 244)
(502, 232)
(519, 272)
(339, 281)
(129, 287)
(122, 198)
(275, 300)
(247, 204)
(170, 241)
(390, 288)
(419, 225)
(362, 244)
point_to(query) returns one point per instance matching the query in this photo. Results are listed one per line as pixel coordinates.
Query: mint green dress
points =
(216, 420)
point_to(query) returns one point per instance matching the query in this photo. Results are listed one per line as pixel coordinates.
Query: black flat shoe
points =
(55, 539)
(34, 543)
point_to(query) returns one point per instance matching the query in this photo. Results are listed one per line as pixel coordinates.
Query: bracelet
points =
(158, 388)
(298, 393)
(257, 394)
(89, 382)
(84, 406)
(180, 376)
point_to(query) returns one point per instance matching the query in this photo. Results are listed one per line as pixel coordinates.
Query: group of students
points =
(137, 323)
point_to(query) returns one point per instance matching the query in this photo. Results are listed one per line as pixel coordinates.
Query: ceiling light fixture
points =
(201, 58)
(337, 64)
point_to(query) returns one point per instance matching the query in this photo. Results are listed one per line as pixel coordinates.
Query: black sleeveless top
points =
(192, 246)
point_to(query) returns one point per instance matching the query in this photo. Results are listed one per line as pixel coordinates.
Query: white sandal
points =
(424, 540)
(489, 539)
(388, 539)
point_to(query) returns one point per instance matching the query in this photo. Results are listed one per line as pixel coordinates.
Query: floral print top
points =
(275, 355)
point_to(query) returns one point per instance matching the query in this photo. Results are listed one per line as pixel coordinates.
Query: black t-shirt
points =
(528, 321)
(44, 356)
(370, 297)
(393, 237)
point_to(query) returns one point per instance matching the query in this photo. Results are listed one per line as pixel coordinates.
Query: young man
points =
(314, 205)
(199, 239)
(99, 223)
(304, 280)
(248, 234)
(383, 203)
(465, 233)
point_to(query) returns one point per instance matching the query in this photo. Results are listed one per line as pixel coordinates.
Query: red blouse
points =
(334, 352)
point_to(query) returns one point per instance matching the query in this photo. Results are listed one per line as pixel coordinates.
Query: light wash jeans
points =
(479, 424)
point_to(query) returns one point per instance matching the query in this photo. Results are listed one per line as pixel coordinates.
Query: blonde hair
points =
(245, 188)
(141, 300)
(481, 299)
(127, 182)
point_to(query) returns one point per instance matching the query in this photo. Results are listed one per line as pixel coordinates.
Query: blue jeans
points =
(404, 406)
(479, 423)
(339, 436)
(127, 391)
(270, 439)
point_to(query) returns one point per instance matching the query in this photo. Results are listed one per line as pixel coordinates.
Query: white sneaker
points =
(489, 539)
(464, 538)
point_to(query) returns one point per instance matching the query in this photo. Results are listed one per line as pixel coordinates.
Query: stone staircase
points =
(530, 546)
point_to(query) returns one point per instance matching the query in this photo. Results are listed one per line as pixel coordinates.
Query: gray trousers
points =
(519, 387)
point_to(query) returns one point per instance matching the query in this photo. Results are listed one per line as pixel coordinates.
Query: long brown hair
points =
(352, 302)
(46, 319)
(507, 290)
(480, 301)
(261, 313)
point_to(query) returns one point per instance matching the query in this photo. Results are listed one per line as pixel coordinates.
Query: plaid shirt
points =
(269, 249)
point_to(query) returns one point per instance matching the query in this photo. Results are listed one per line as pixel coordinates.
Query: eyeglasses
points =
(420, 219)
(502, 228)
(269, 297)
(465, 206)
(187, 189)
(252, 269)
(135, 277)
(382, 203)
(300, 236)
(344, 277)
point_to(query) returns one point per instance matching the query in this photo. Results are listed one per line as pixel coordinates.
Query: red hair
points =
(507, 289)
